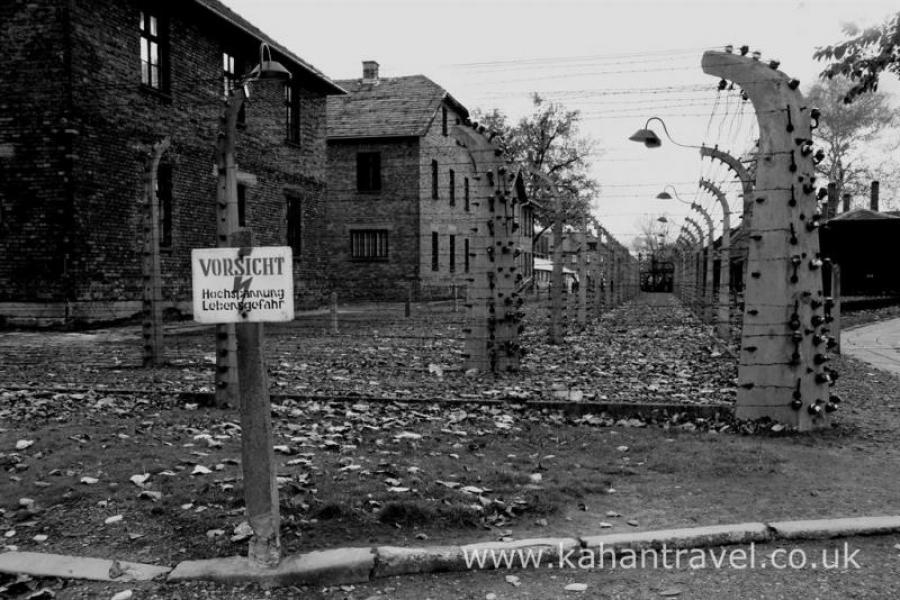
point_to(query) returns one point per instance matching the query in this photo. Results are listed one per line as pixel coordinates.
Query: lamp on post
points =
(240, 371)
(648, 137)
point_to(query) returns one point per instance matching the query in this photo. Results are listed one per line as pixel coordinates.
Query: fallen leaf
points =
(123, 595)
(139, 480)
(200, 470)
(113, 519)
(89, 480)
(513, 580)
(576, 587)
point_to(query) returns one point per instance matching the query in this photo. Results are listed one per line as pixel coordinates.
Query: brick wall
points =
(34, 203)
(394, 208)
(113, 116)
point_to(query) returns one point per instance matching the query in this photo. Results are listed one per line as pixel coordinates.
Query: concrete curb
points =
(359, 565)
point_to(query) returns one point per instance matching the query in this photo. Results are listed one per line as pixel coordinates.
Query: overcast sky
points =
(617, 62)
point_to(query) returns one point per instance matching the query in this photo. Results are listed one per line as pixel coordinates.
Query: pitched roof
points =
(863, 214)
(395, 106)
(240, 22)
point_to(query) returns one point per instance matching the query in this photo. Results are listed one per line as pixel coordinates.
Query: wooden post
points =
(781, 370)
(154, 342)
(334, 313)
(257, 454)
(226, 384)
(835, 325)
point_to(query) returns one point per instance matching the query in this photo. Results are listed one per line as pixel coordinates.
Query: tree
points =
(864, 57)
(653, 239)
(846, 133)
(548, 141)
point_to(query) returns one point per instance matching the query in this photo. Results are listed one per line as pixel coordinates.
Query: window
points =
(153, 51)
(466, 255)
(229, 80)
(228, 74)
(452, 253)
(242, 204)
(164, 202)
(452, 187)
(466, 193)
(434, 180)
(295, 224)
(434, 251)
(444, 120)
(292, 114)
(369, 244)
(368, 171)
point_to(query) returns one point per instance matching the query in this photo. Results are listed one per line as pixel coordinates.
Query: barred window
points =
(435, 248)
(369, 244)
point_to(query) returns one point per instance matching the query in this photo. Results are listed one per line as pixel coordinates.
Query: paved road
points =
(877, 344)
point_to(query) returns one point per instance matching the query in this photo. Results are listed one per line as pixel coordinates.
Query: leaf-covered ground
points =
(144, 477)
(655, 354)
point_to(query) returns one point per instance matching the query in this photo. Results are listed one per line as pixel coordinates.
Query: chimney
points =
(846, 206)
(873, 199)
(370, 72)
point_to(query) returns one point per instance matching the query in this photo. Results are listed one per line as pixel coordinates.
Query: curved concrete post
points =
(781, 371)
(723, 319)
(742, 174)
(707, 273)
(695, 268)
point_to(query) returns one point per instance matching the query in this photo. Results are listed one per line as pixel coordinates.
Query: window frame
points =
(368, 172)
(292, 113)
(435, 190)
(380, 243)
(451, 253)
(148, 39)
(435, 251)
(466, 197)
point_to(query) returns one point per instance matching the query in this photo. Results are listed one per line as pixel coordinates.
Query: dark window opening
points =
(452, 187)
(153, 51)
(369, 244)
(164, 203)
(452, 264)
(230, 68)
(292, 113)
(368, 171)
(434, 180)
(242, 204)
(435, 262)
(295, 224)
(444, 120)
(466, 255)
(466, 193)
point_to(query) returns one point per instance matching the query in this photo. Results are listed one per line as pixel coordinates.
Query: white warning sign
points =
(242, 285)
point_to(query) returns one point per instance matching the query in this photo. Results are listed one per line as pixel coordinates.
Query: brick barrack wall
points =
(74, 221)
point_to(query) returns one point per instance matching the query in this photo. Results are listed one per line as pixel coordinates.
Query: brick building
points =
(406, 175)
(86, 86)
